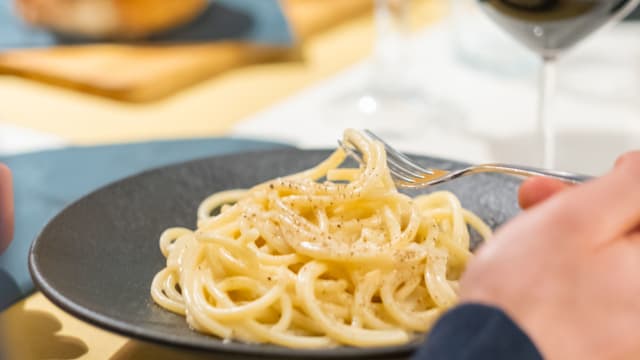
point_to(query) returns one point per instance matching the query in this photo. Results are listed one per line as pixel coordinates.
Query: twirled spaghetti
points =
(306, 263)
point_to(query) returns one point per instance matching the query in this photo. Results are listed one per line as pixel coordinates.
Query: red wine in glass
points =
(550, 27)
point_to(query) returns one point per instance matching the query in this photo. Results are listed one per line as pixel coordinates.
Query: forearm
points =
(477, 332)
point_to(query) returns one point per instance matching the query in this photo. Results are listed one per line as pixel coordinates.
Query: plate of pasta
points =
(284, 253)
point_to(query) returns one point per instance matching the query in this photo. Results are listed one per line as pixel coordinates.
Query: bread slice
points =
(110, 19)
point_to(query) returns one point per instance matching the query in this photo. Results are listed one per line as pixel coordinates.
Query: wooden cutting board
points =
(147, 73)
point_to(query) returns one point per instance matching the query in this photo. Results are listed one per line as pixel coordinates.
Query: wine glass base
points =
(394, 115)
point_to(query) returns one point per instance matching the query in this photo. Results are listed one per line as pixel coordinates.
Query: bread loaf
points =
(110, 19)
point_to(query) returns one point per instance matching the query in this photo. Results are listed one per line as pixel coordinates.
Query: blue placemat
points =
(45, 182)
(260, 21)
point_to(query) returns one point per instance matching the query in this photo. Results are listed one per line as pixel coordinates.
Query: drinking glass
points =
(550, 28)
(392, 100)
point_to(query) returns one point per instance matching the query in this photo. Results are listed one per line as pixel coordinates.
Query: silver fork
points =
(407, 173)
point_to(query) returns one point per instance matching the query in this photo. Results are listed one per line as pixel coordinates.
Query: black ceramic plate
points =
(97, 257)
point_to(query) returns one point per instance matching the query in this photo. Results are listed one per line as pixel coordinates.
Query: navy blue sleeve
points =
(477, 332)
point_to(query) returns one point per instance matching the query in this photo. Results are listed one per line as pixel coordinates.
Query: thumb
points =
(538, 189)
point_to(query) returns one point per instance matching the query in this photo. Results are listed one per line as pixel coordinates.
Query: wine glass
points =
(549, 28)
(392, 100)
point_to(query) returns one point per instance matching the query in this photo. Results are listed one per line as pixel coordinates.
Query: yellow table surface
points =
(36, 329)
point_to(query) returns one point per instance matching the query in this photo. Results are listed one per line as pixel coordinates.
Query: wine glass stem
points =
(390, 49)
(546, 125)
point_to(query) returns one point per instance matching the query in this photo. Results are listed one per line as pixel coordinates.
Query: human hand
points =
(535, 190)
(6, 208)
(566, 270)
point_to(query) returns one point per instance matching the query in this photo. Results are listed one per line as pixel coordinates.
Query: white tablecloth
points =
(15, 140)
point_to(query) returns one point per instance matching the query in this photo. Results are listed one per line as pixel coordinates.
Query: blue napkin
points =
(259, 21)
(45, 182)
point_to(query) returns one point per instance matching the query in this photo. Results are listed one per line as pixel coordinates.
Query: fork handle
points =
(528, 171)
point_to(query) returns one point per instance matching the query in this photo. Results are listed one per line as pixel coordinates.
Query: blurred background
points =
(300, 71)
(94, 90)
